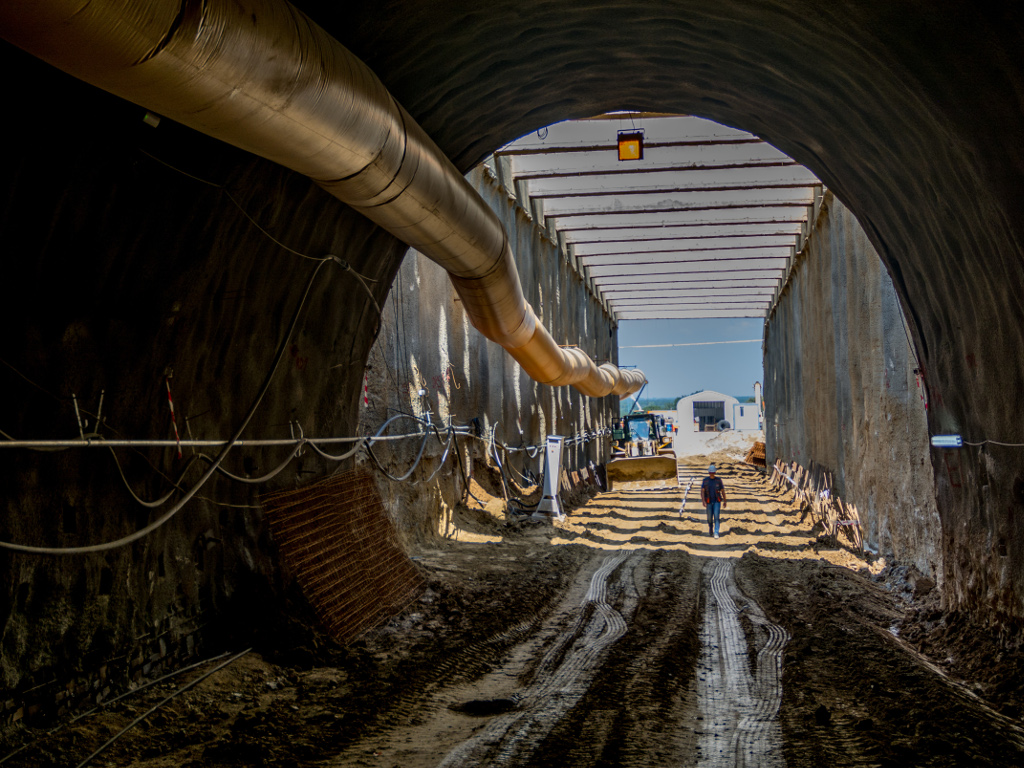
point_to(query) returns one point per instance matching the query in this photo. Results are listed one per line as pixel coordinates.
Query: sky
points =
(679, 371)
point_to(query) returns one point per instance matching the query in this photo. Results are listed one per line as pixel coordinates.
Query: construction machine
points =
(642, 451)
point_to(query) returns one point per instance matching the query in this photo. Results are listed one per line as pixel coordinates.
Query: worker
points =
(712, 493)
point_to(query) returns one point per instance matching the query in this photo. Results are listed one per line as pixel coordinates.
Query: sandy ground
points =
(623, 635)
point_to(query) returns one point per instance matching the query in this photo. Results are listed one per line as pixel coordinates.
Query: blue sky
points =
(678, 371)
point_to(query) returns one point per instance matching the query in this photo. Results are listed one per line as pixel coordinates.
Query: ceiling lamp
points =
(631, 145)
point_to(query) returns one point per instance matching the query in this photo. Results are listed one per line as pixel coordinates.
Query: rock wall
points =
(132, 252)
(135, 252)
(426, 343)
(843, 389)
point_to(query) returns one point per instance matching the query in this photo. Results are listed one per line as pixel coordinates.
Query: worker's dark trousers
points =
(714, 516)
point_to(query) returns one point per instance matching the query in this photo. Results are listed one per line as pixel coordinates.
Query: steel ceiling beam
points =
(611, 146)
(704, 272)
(623, 289)
(732, 236)
(737, 222)
(676, 209)
(758, 187)
(628, 171)
(709, 299)
(646, 252)
(700, 314)
(686, 261)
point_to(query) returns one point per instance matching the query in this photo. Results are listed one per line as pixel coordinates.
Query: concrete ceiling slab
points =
(725, 199)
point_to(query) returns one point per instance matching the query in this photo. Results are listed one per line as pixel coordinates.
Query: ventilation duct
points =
(260, 75)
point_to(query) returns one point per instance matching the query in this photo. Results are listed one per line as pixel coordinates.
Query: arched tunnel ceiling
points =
(703, 223)
(908, 113)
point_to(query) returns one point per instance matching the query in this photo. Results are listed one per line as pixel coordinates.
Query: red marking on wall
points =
(300, 362)
(174, 423)
(972, 361)
(444, 377)
(953, 469)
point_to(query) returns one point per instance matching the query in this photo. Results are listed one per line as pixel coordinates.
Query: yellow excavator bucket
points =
(630, 469)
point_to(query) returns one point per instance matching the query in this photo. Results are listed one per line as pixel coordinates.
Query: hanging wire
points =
(159, 704)
(465, 477)
(161, 521)
(995, 442)
(419, 455)
(238, 205)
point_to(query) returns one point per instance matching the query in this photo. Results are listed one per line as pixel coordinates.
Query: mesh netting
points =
(338, 542)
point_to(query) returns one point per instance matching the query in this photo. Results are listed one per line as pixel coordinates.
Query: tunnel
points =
(144, 258)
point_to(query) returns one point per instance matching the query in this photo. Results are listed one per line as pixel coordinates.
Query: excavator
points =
(641, 451)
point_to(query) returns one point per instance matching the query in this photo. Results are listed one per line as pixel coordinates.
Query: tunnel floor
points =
(623, 636)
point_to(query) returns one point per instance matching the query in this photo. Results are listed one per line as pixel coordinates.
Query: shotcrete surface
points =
(843, 389)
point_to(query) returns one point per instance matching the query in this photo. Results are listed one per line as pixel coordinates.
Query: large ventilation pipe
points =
(260, 75)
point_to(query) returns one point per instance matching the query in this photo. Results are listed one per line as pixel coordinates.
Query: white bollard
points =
(550, 504)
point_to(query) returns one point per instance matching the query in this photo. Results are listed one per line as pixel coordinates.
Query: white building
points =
(703, 411)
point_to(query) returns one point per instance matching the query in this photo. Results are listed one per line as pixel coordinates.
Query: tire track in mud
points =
(740, 705)
(561, 678)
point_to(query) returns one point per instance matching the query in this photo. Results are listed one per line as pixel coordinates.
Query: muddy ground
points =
(622, 636)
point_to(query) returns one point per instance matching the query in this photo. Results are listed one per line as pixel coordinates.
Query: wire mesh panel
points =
(339, 543)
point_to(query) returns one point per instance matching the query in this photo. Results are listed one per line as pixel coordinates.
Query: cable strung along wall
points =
(426, 344)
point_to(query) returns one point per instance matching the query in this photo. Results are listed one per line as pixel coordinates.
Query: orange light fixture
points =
(631, 145)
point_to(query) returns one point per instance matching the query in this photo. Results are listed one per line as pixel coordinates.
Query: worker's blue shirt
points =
(711, 489)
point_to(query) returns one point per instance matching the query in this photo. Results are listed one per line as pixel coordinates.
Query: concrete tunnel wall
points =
(842, 389)
(117, 269)
(426, 342)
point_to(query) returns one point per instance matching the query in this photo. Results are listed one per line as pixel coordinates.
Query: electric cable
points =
(108, 702)
(523, 477)
(442, 462)
(419, 456)
(342, 457)
(465, 477)
(362, 280)
(163, 519)
(159, 704)
(224, 189)
(163, 499)
(45, 391)
(509, 497)
(995, 442)
(256, 480)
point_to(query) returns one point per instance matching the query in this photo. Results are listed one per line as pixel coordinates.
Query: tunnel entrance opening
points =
(926, 106)
(706, 224)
